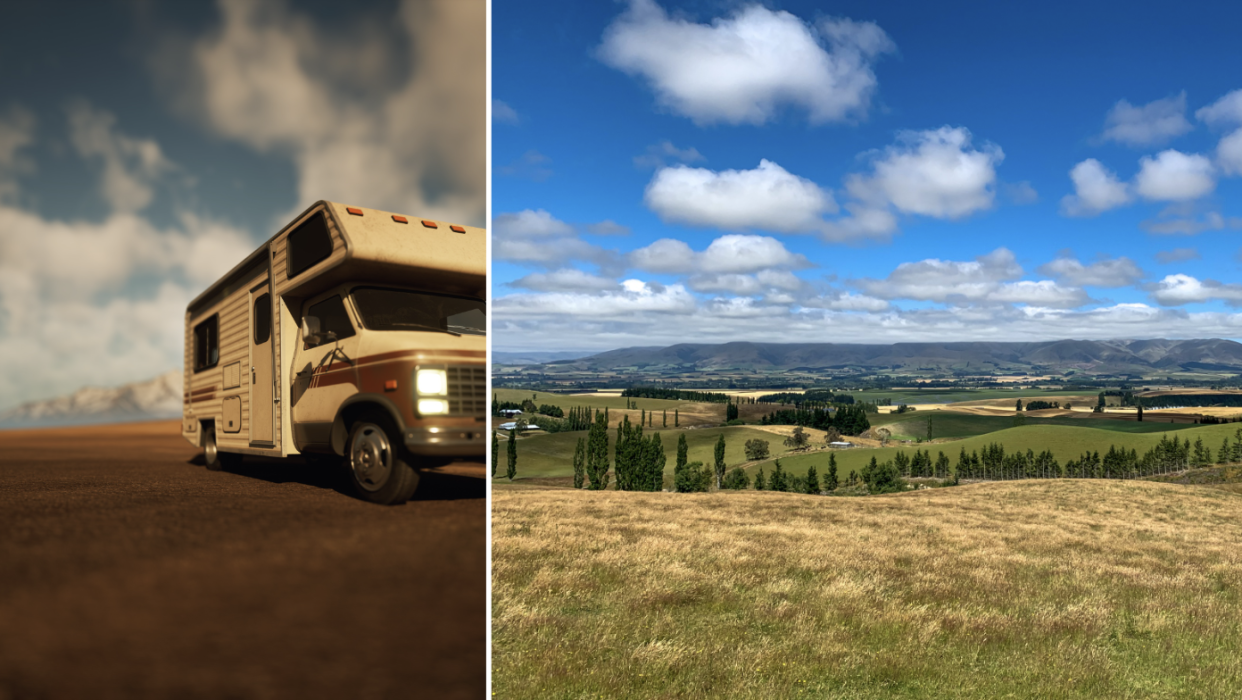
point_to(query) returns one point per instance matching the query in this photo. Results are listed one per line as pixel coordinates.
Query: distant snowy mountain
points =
(155, 398)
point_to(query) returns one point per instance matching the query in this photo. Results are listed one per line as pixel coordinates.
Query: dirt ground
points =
(128, 570)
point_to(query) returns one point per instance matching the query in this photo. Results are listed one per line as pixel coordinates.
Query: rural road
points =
(127, 570)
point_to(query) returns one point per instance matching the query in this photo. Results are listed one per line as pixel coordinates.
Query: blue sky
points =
(146, 148)
(864, 172)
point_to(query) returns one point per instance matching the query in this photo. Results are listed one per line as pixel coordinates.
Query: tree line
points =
(847, 420)
(652, 392)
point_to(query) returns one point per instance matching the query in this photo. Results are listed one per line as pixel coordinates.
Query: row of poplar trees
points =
(639, 461)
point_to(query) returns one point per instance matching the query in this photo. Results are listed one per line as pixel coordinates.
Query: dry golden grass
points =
(1036, 589)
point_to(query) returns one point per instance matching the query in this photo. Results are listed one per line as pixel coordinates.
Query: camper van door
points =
(261, 413)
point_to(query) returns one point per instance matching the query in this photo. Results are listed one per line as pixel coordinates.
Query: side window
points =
(332, 318)
(307, 244)
(207, 343)
(262, 319)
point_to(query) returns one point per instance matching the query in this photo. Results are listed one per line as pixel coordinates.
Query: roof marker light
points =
(430, 224)
(400, 219)
(458, 229)
(354, 210)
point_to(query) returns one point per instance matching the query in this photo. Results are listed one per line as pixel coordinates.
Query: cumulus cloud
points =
(1165, 257)
(388, 112)
(1229, 153)
(771, 282)
(131, 166)
(657, 154)
(769, 198)
(730, 254)
(744, 68)
(1225, 112)
(838, 300)
(532, 165)
(1020, 192)
(17, 129)
(536, 237)
(1096, 189)
(565, 280)
(1177, 290)
(634, 297)
(1175, 221)
(607, 227)
(934, 173)
(1174, 176)
(1115, 272)
(1151, 124)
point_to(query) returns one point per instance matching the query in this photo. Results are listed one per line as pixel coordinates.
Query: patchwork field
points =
(1034, 589)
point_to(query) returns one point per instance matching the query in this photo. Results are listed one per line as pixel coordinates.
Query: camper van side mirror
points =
(310, 330)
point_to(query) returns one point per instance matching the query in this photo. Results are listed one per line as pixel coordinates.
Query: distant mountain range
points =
(156, 398)
(1089, 356)
(534, 358)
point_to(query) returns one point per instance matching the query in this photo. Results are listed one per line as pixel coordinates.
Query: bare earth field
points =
(1033, 589)
(127, 570)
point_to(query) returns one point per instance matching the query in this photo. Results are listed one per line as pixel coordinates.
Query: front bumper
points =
(447, 441)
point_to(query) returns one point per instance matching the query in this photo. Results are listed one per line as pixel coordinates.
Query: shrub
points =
(736, 479)
(756, 449)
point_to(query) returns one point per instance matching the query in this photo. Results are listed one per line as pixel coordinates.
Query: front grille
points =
(467, 390)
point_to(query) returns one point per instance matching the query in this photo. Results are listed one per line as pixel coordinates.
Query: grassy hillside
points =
(552, 455)
(1066, 442)
(1040, 589)
(946, 424)
(596, 401)
(910, 396)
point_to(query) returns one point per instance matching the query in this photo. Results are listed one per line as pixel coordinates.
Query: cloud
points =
(743, 69)
(503, 113)
(1115, 272)
(1096, 190)
(1020, 192)
(1151, 124)
(1173, 222)
(1174, 176)
(837, 300)
(768, 198)
(531, 166)
(769, 281)
(1165, 257)
(730, 254)
(389, 111)
(1225, 112)
(536, 237)
(634, 297)
(565, 280)
(131, 166)
(1177, 290)
(1229, 153)
(657, 154)
(934, 173)
(607, 227)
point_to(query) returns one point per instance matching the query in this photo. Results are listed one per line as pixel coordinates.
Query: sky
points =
(146, 148)
(790, 171)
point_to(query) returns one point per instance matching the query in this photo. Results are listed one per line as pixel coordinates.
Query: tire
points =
(376, 461)
(215, 459)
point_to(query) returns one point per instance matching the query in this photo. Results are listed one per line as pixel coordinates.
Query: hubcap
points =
(370, 457)
(210, 453)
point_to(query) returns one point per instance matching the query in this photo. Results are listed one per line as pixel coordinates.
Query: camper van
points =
(353, 336)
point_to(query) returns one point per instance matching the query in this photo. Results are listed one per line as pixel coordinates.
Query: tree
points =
(737, 479)
(676, 418)
(756, 449)
(832, 435)
(929, 428)
(779, 480)
(597, 452)
(730, 411)
(759, 481)
(1140, 413)
(664, 419)
(812, 480)
(1019, 405)
(512, 468)
(693, 477)
(579, 463)
(830, 482)
(1102, 402)
(883, 434)
(496, 452)
(719, 454)
(798, 439)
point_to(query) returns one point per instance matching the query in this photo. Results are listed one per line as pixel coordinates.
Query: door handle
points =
(252, 375)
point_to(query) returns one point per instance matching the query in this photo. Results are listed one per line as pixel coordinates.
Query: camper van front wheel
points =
(376, 467)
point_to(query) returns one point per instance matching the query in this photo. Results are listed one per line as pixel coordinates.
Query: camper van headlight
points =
(432, 391)
(432, 382)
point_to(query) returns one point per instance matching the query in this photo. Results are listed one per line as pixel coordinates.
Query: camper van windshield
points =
(401, 310)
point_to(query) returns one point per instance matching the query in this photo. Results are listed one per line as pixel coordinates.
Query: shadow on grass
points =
(433, 486)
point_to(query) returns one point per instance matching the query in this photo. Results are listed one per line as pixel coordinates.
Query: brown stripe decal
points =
(384, 356)
(207, 390)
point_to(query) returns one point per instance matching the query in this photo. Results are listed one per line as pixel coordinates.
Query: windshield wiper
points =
(471, 330)
(430, 328)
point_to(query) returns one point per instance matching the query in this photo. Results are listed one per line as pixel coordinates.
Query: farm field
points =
(948, 424)
(566, 401)
(930, 396)
(1033, 589)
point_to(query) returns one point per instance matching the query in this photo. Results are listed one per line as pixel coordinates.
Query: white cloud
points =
(730, 254)
(745, 68)
(837, 300)
(1151, 124)
(388, 112)
(933, 173)
(503, 113)
(1229, 153)
(769, 281)
(1115, 272)
(131, 166)
(1020, 192)
(1096, 189)
(657, 154)
(768, 198)
(607, 227)
(1045, 293)
(1176, 290)
(530, 223)
(1174, 221)
(1225, 112)
(565, 280)
(1174, 176)
(538, 238)
(16, 132)
(1165, 257)
(532, 165)
(634, 297)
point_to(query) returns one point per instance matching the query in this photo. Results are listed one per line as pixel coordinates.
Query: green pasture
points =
(1065, 442)
(940, 395)
(552, 454)
(946, 424)
(567, 401)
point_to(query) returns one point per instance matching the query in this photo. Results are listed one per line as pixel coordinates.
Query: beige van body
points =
(265, 375)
